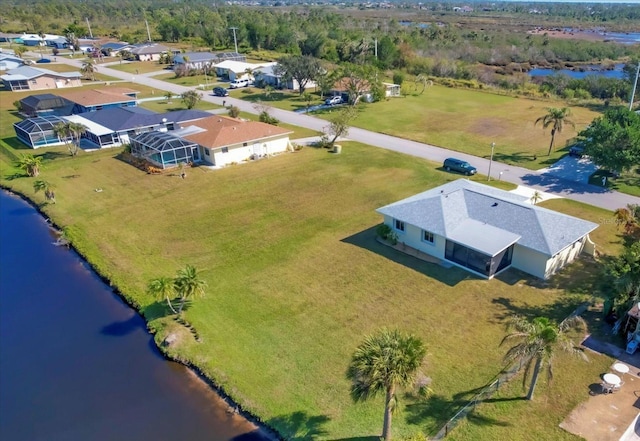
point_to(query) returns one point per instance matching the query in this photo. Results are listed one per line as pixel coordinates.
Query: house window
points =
(244, 144)
(206, 152)
(398, 225)
(225, 149)
(427, 236)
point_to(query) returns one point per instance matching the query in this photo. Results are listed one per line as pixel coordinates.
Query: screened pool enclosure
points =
(38, 132)
(164, 150)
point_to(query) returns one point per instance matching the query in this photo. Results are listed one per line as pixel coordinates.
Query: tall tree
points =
(164, 289)
(613, 140)
(47, 188)
(538, 341)
(30, 164)
(190, 98)
(188, 285)
(556, 118)
(70, 133)
(301, 68)
(383, 363)
(20, 50)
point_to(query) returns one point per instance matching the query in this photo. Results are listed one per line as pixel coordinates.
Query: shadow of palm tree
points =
(299, 426)
(367, 239)
(559, 310)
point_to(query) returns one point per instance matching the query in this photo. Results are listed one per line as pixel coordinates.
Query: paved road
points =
(541, 180)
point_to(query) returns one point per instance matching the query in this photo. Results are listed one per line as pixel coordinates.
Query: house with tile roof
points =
(34, 78)
(91, 100)
(486, 230)
(215, 141)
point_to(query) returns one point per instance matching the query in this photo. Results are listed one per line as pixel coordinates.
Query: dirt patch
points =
(570, 35)
(490, 127)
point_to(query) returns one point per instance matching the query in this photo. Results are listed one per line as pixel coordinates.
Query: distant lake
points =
(628, 38)
(413, 23)
(614, 73)
(77, 363)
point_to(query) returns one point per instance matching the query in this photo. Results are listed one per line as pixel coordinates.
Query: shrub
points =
(234, 111)
(386, 233)
(266, 118)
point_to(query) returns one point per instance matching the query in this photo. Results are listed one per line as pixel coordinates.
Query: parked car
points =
(459, 166)
(333, 100)
(577, 151)
(236, 84)
(43, 60)
(220, 91)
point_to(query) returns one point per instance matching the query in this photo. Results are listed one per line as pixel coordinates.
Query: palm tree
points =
(187, 285)
(556, 118)
(70, 133)
(89, 68)
(19, 51)
(624, 217)
(536, 197)
(45, 186)
(30, 164)
(163, 288)
(386, 361)
(539, 341)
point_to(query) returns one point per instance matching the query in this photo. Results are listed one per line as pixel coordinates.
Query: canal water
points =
(76, 363)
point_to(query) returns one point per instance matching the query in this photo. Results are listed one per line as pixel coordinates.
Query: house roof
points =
(146, 49)
(28, 73)
(115, 46)
(241, 66)
(161, 141)
(220, 131)
(125, 118)
(486, 218)
(106, 95)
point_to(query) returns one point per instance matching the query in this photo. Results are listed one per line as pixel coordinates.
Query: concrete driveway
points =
(572, 169)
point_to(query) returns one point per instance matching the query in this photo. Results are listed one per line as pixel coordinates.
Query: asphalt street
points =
(542, 180)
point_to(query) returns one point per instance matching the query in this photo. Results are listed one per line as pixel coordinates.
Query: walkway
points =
(547, 182)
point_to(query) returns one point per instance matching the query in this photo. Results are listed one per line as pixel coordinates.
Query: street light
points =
(493, 144)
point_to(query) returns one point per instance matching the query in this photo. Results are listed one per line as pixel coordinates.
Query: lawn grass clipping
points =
(296, 280)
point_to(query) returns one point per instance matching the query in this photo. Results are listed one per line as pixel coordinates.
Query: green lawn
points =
(192, 81)
(138, 67)
(296, 280)
(162, 105)
(460, 119)
(628, 182)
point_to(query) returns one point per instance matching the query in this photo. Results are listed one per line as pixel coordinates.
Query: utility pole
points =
(89, 26)
(635, 85)
(235, 41)
(493, 144)
(148, 32)
(375, 41)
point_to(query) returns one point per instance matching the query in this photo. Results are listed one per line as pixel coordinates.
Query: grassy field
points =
(296, 280)
(192, 81)
(138, 67)
(628, 182)
(460, 119)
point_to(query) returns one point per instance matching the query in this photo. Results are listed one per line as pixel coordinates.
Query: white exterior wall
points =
(529, 261)
(240, 153)
(412, 236)
(564, 257)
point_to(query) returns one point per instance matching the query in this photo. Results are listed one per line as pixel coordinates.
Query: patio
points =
(608, 416)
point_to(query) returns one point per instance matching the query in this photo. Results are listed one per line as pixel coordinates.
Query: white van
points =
(236, 84)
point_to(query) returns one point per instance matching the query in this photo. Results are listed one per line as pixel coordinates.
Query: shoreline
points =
(263, 429)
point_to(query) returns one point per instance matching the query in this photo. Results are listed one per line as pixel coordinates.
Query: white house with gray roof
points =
(486, 230)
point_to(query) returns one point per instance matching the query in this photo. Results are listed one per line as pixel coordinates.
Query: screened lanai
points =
(38, 132)
(164, 150)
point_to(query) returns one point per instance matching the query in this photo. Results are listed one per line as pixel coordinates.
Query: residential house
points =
(151, 51)
(116, 126)
(486, 230)
(216, 141)
(347, 88)
(104, 128)
(239, 70)
(33, 78)
(114, 48)
(45, 104)
(268, 76)
(104, 98)
(8, 37)
(201, 60)
(10, 61)
(227, 140)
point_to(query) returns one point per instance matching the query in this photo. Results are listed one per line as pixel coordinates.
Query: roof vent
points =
(495, 204)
